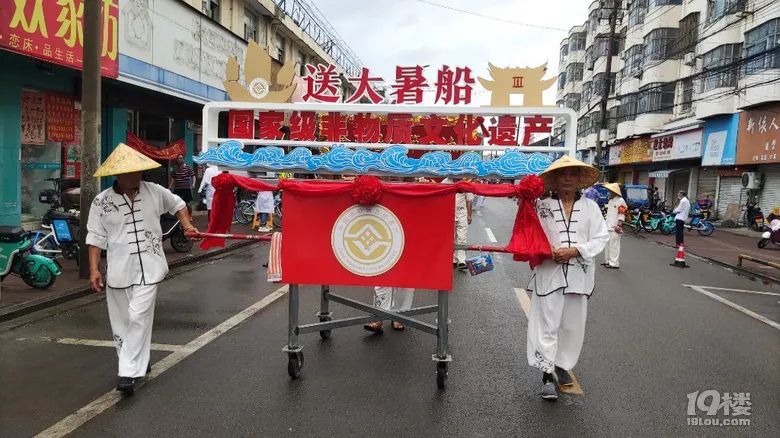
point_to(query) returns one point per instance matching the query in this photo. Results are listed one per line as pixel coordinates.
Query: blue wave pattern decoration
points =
(394, 159)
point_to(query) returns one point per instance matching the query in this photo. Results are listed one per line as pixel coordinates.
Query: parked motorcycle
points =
(753, 217)
(698, 223)
(171, 229)
(704, 206)
(771, 234)
(651, 220)
(37, 271)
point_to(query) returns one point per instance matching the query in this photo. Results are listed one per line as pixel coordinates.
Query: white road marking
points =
(735, 306)
(491, 236)
(737, 290)
(99, 343)
(96, 407)
(525, 302)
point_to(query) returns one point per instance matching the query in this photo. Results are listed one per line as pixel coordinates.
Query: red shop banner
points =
(60, 120)
(53, 30)
(168, 152)
(33, 118)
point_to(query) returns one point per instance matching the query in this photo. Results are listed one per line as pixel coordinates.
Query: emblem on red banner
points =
(367, 241)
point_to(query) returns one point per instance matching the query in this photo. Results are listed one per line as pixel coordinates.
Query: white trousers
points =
(556, 329)
(393, 298)
(461, 235)
(612, 250)
(131, 312)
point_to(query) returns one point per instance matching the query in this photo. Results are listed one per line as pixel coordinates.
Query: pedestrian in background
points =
(395, 299)
(463, 209)
(206, 189)
(681, 212)
(264, 208)
(616, 215)
(124, 221)
(561, 286)
(182, 181)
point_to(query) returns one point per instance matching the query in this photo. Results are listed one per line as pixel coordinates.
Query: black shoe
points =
(564, 378)
(462, 267)
(148, 369)
(548, 388)
(126, 385)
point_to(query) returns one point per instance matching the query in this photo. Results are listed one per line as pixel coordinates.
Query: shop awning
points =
(663, 173)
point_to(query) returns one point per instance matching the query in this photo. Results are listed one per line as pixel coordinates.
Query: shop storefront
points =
(719, 154)
(629, 161)
(758, 145)
(676, 159)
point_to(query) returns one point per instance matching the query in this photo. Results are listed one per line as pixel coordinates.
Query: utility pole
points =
(600, 142)
(90, 119)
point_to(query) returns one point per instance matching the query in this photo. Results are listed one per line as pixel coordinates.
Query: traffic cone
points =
(679, 258)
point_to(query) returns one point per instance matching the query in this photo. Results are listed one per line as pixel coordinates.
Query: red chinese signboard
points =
(759, 135)
(60, 122)
(33, 118)
(52, 30)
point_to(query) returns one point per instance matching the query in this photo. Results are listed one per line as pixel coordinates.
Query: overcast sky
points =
(386, 33)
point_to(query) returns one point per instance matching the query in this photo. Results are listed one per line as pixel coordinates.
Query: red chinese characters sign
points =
(52, 30)
(33, 118)
(60, 122)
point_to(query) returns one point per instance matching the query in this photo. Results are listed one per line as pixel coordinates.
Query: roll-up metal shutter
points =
(770, 193)
(730, 192)
(708, 181)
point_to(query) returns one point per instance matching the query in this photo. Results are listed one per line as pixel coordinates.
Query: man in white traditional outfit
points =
(395, 299)
(206, 188)
(463, 210)
(125, 221)
(577, 234)
(616, 215)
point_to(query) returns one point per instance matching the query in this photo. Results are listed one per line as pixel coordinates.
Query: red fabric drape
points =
(528, 241)
(169, 152)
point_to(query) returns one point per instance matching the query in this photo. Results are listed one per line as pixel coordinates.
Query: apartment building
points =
(695, 100)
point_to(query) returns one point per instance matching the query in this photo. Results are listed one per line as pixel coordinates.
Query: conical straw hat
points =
(125, 159)
(614, 188)
(589, 175)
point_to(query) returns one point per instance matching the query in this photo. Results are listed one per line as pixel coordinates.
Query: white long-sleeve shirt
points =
(683, 209)
(130, 232)
(615, 214)
(585, 230)
(208, 174)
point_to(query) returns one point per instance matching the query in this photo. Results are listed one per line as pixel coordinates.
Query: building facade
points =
(167, 58)
(695, 98)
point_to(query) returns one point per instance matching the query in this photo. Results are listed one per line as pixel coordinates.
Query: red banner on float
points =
(386, 244)
(54, 31)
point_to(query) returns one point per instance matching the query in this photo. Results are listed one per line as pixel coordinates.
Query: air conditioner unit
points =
(689, 58)
(751, 180)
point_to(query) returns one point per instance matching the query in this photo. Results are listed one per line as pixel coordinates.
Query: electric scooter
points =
(771, 234)
(16, 257)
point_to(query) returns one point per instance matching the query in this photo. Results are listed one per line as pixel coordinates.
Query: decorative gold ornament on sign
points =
(257, 72)
(516, 80)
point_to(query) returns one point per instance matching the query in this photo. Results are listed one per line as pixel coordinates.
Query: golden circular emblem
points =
(259, 88)
(367, 241)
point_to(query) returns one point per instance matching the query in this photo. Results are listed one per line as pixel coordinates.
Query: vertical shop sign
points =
(33, 118)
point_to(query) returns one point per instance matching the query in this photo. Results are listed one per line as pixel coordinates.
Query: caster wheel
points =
(325, 334)
(441, 374)
(294, 364)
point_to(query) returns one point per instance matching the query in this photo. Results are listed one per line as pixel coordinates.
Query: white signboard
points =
(716, 143)
(614, 154)
(680, 146)
(174, 37)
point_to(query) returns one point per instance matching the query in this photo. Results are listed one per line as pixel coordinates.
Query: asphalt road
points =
(218, 372)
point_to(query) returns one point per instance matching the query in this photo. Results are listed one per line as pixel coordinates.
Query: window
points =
(686, 102)
(593, 20)
(657, 97)
(280, 44)
(717, 9)
(589, 61)
(628, 106)
(612, 116)
(689, 34)
(587, 91)
(601, 45)
(659, 44)
(250, 25)
(572, 100)
(574, 71)
(301, 60)
(211, 9)
(761, 46)
(633, 60)
(576, 41)
(598, 84)
(720, 63)
(583, 125)
(595, 123)
(654, 3)
(636, 12)
(561, 80)
(564, 54)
